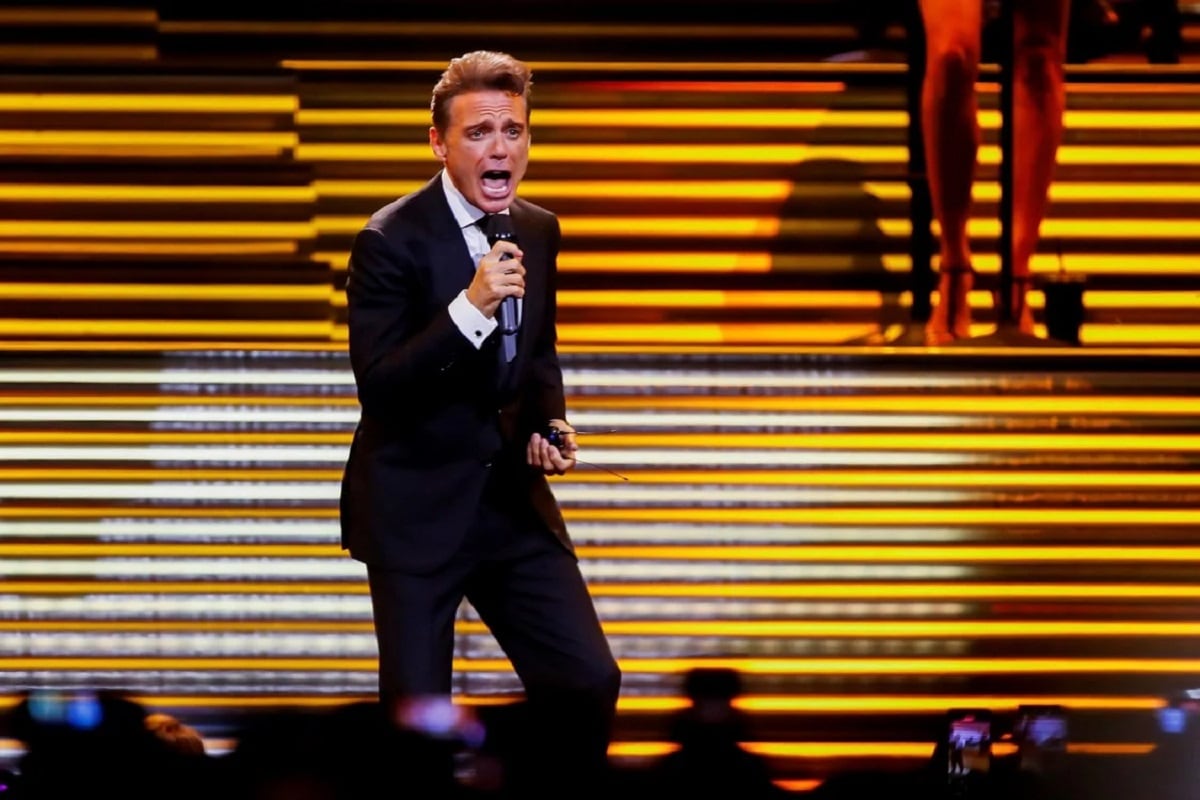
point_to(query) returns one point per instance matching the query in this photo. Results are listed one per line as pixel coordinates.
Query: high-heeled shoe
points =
(951, 317)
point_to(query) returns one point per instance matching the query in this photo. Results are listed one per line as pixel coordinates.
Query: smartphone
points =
(1040, 734)
(968, 743)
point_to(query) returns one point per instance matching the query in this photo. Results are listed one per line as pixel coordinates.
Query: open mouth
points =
(496, 181)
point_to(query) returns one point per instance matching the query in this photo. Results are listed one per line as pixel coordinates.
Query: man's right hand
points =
(496, 279)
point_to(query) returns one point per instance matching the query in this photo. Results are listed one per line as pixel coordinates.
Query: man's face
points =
(485, 148)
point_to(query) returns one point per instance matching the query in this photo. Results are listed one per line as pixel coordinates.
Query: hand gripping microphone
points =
(499, 228)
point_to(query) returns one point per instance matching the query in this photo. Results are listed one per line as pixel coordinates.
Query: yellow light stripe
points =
(216, 401)
(752, 666)
(116, 102)
(743, 118)
(720, 299)
(879, 554)
(932, 441)
(713, 333)
(757, 704)
(935, 441)
(893, 516)
(127, 193)
(989, 191)
(813, 553)
(146, 138)
(1008, 404)
(1084, 263)
(838, 629)
(871, 750)
(177, 345)
(1126, 334)
(790, 591)
(771, 226)
(166, 328)
(765, 190)
(157, 229)
(778, 154)
(980, 479)
(637, 67)
(164, 512)
(926, 478)
(174, 292)
(177, 248)
(901, 629)
(925, 590)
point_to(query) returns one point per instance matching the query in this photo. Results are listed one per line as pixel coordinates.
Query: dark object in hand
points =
(557, 437)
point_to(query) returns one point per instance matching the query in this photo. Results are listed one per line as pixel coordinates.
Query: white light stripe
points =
(780, 378)
(184, 414)
(206, 606)
(752, 457)
(592, 421)
(184, 377)
(333, 568)
(600, 532)
(174, 530)
(232, 644)
(343, 567)
(698, 495)
(326, 492)
(662, 570)
(180, 455)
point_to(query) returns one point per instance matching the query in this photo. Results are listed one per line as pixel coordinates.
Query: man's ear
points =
(437, 144)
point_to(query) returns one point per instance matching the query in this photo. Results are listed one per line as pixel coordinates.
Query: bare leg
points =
(1039, 96)
(951, 134)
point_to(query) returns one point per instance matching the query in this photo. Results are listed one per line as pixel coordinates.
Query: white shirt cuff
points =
(470, 320)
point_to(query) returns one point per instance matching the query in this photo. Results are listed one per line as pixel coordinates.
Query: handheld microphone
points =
(557, 438)
(499, 228)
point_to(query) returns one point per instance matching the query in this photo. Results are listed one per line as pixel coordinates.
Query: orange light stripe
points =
(894, 516)
(96, 475)
(155, 400)
(175, 437)
(985, 479)
(1007, 404)
(789, 591)
(924, 441)
(892, 554)
(151, 550)
(882, 629)
(740, 628)
(162, 512)
(754, 666)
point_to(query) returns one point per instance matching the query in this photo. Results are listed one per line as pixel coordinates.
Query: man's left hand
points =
(540, 453)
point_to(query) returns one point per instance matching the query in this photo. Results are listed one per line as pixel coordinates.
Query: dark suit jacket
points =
(437, 414)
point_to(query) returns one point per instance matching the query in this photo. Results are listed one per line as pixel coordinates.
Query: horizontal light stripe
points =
(168, 329)
(77, 247)
(102, 139)
(115, 102)
(980, 479)
(914, 553)
(170, 376)
(745, 118)
(233, 413)
(632, 666)
(157, 229)
(134, 193)
(992, 517)
(774, 154)
(178, 293)
(930, 441)
(592, 410)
